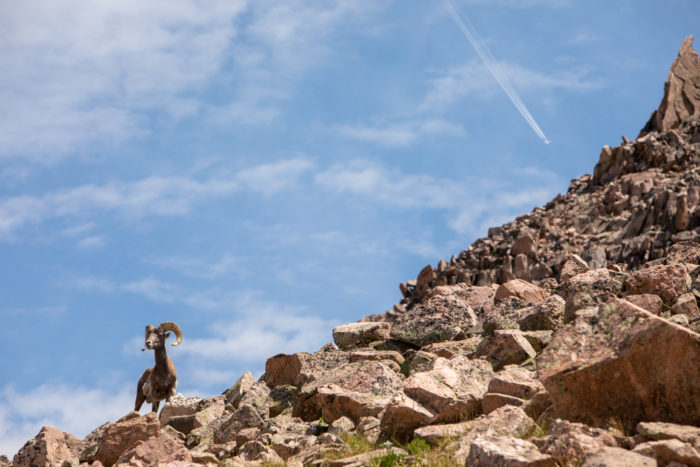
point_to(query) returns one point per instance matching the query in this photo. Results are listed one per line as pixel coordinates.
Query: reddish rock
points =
(449, 349)
(616, 457)
(569, 442)
(546, 315)
(590, 364)
(391, 358)
(47, 449)
(506, 451)
(402, 416)
(477, 297)
(179, 405)
(124, 434)
(441, 318)
(451, 389)
(667, 281)
(505, 347)
(355, 390)
(667, 451)
(515, 381)
(424, 281)
(686, 305)
(521, 289)
(300, 368)
(493, 401)
(650, 302)
(573, 266)
(234, 393)
(504, 314)
(360, 334)
(537, 405)
(589, 289)
(658, 430)
(434, 434)
(161, 449)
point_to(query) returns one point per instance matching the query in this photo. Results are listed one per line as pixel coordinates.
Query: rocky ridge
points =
(566, 337)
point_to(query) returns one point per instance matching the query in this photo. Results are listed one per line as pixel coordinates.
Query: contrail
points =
(480, 46)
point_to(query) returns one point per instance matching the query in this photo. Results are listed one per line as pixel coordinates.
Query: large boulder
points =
(546, 315)
(302, 367)
(360, 334)
(617, 457)
(667, 281)
(588, 289)
(356, 390)
(233, 394)
(626, 364)
(505, 347)
(158, 450)
(521, 289)
(47, 449)
(502, 451)
(124, 434)
(440, 318)
(569, 442)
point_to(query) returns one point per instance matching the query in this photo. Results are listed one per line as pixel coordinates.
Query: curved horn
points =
(170, 326)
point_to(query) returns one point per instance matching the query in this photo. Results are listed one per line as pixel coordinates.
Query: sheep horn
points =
(170, 326)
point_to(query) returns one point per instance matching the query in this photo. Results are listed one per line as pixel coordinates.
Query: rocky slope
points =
(566, 337)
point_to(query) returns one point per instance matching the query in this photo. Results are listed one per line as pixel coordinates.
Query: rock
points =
(360, 334)
(588, 367)
(257, 396)
(493, 401)
(680, 102)
(573, 266)
(524, 245)
(234, 393)
(391, 358)
(154, 451)
(369, 427)
(667, 281)
(538, 339)
(300, 368)
(616, 457)
(658, 430)
(521, 289)
(354, 390)
(515, 381)
(451, 389)
(477, 297)
(434, 434)
(546, 315)
(179, 405)
(424, 281)
(402, 416)
(440, 318)
(504, 314)
(588, 289)
(504, 421)
(505, 347)
(650, 302)
(569, 442)
(506, 451)
(686, 305)
(537, 406)
(449, 349)
(46, 449)
(366, 458)
(124, 434)
(257, 451)
(341, 425)
(669, 450)
(420, 361)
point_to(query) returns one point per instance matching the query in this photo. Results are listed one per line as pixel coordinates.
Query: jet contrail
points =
(480, 46)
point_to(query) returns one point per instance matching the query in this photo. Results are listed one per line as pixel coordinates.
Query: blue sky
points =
(259, 172)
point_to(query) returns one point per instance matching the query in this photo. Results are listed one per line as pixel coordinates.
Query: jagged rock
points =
(440, 318)
(47, 449)
(521, 289)
(667, 451)
(234, 393)
(686, 305)
(341, 425)
(504, 314)
(515, 381)
(569, 442)
(360, 334)
(281, 399)
(424, 281)
(370, 428)
(434, 434)
(257, 396)
(504, 421)
(451, 389)
(419, 361)
(493, 401)
(477, 297)
(538, 339)
(257, 451)
(650, 302)
(588, 289)
(667, 281)
(451, 348)
(573, 265)
(506, 451)
(658, 430)
(505, 347)
(300, 368)
(537, 405)
(366, 457)
(391, 358)
(589, 364)
(179, 405)
(402, 416)
(125, 433)
(546, 315)
(355, 390)
(616, 457)
(681, 100)
(155, 450)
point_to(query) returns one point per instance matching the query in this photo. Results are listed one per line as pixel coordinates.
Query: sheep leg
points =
(155, 406)
(140, 397)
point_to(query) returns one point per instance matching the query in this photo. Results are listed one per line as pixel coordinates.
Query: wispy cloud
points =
(472, 79)
(198, 267)
(519, 3)
(23, 413)
(401, 134)
(151, 196)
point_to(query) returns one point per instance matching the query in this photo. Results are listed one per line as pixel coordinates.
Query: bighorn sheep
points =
(158, 382)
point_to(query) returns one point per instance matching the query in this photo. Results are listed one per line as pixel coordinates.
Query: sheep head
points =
(156, 336)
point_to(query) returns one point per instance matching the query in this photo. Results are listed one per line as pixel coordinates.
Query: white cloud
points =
(77, 410)
(474, 79)
(197, 267)
(89, 243)
(403, 134)
(519, 3)
(151, 196)
(91, 71)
